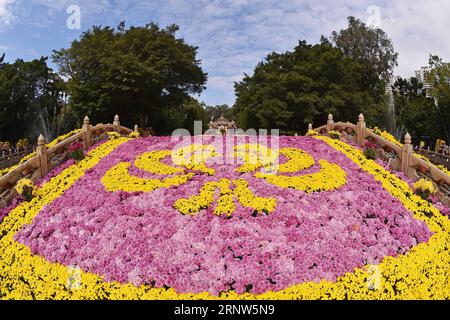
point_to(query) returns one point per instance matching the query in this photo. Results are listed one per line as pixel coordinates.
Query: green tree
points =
(145, 74)
(415, 112)
(439, 78)
(194, 111)
(372, 48)
(29, 101)
(290, 90)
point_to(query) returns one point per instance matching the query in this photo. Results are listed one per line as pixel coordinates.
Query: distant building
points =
(422, 76)
(222, 125)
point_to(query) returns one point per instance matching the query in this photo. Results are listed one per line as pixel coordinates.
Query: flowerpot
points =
(422, 169)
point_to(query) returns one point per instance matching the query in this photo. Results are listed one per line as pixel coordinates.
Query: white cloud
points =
(234, 35)
(6, 15)
(224, 82)
(417, 28)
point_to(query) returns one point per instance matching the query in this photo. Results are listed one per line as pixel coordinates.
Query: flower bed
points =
(314, 220)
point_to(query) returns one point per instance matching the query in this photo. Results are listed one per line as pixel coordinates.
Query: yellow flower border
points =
(422, 273)
(329, 177)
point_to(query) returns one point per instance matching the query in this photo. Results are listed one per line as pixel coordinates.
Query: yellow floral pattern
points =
(118, 178)
(225, 204)
(254, 156)
(330, 177)
(194, 157)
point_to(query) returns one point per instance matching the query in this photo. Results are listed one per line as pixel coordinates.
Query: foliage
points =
(334, 134)
(113, 135)
(32, 154)
(75, 150)
(134, 135)
(292, 89)
(444, 169)
(29, 101)
(25, 188)
(5, 145)
(214, 112)
(386, 135)
(22, 143)
(424, 188)
(145, 74)
(439, 77)
(311, 132)
(370, 150)
(371, 47)
(415, 112)
(190, 111)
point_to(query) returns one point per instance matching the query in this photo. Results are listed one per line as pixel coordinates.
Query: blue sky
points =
(232, 35)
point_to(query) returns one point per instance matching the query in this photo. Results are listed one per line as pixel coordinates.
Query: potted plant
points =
(334, 134)
(387, 148)
(312, 132)
(422, 169)
(424, 188)
(76, 151)
(134, 135)
(113, 135)
(25, 188)
(370, 150)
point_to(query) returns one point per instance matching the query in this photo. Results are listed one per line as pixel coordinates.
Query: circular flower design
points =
(123, 231)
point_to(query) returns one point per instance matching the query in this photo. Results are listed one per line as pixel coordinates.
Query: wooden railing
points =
(47, 159)
(12, 157)
(400, 158)
(435, 157)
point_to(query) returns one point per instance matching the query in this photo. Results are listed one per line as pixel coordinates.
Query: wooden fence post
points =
(116, 123)
(87, 141)
(360, 130)
(41, 151)
(330, 123)
(406, 154)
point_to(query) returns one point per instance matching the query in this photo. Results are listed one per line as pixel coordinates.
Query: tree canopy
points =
(145, 74)
(372, 48)
(415, 112)
(439, 78)
(215, 112)
(28, 99)
(291, 89)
